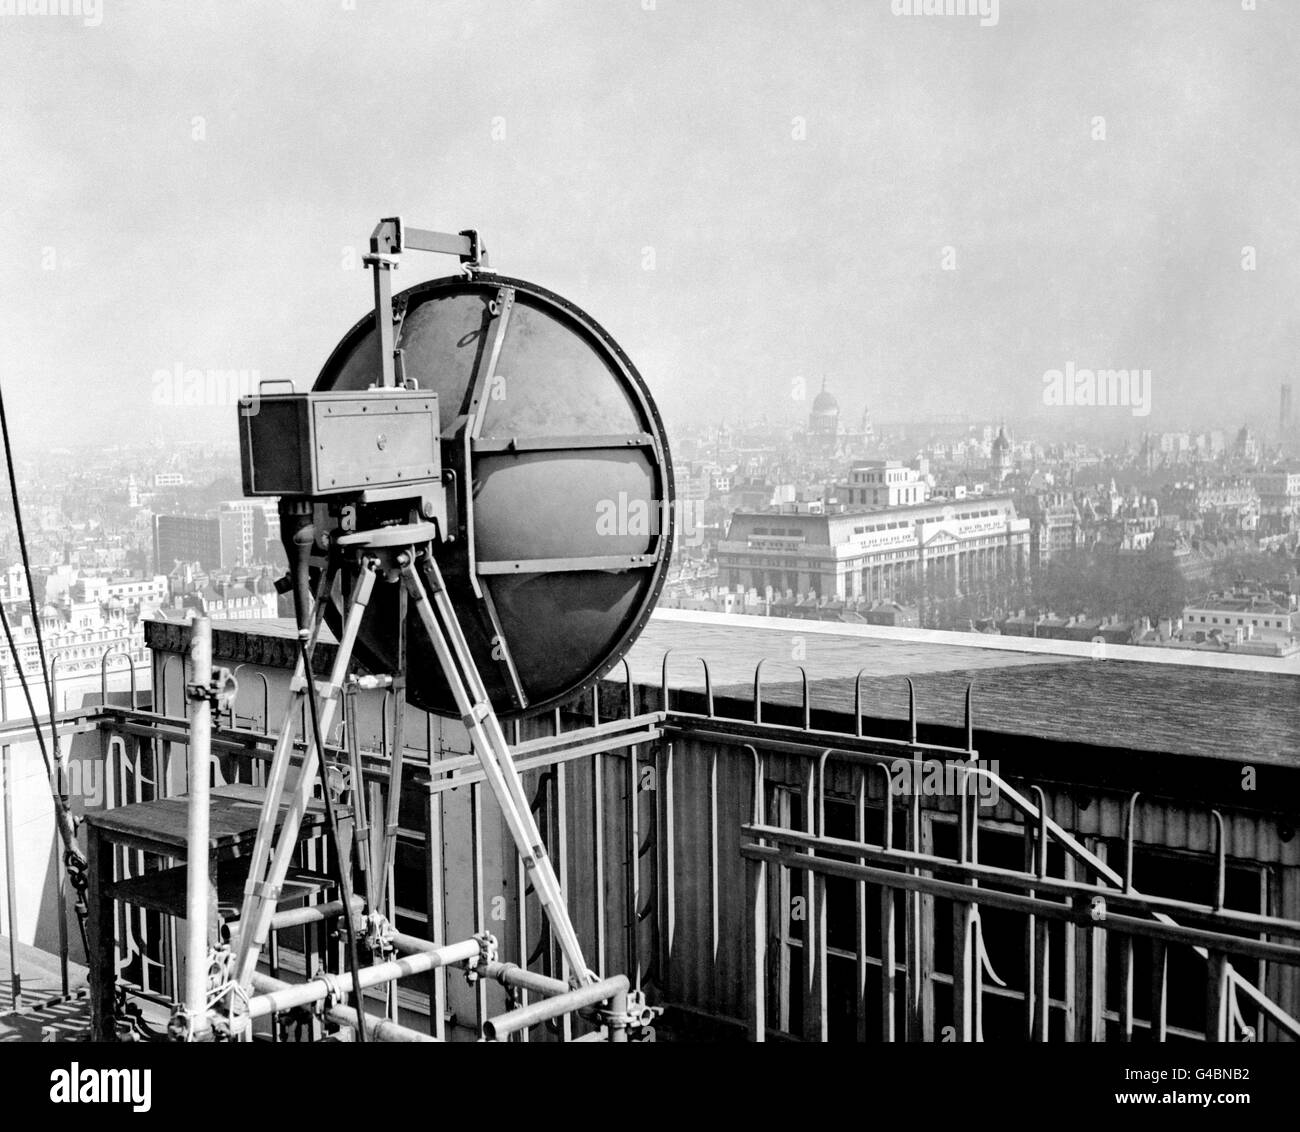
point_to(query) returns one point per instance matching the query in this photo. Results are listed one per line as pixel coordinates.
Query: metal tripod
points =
(403, 554)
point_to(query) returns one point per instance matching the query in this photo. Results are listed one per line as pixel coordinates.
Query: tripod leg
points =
(494, 754)
(392, 811)
(255, 926)
(282, 757)
(360, 803)
(473, 682)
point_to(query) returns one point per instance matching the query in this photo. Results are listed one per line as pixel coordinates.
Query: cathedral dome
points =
(825, 403)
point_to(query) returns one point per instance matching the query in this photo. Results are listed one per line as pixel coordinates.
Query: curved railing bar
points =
(1129, 830)
(911, 710)
(1221, 861)
(857, 704)
(115, 650)
(888, 806)
(970, 720)
(821, 791)
(161, 692)
(758, 693)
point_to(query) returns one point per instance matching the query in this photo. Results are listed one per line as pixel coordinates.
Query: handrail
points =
(1083, 855)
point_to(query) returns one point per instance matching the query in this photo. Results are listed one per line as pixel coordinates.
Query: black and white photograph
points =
(696, 522)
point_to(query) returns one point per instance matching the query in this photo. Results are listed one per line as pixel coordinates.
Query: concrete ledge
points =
(1189, 658)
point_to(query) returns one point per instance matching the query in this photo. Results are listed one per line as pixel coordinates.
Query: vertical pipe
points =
(977, 960)
(888, 915)
(912, 907)
(391, 896)
(11, 884)
(476, 840)
(598, 839)
(814, 924)
(561, 854)
(61, 891)
(1042, 1014)
(964, 959)
(756, 876)
(433, 864)
(273, 967)
(1030, 867)
(666, 838)
(634, 865)
(197, 834)
(617, 1007)
(713, 857)
(1069, 960)
(860, 909)
(521, 912)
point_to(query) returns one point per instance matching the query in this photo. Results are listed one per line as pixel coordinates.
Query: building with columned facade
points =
(874, 554)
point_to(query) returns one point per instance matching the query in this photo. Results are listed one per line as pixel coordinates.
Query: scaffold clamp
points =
(219, 692)
(637, 1019)
(379, 933)
(487, 953)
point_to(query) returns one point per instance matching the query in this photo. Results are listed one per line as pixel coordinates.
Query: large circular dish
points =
(559, 486)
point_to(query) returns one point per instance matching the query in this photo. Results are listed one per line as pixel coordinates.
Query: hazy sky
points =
(796, 167)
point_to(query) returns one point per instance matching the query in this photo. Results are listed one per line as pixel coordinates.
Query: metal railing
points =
(670, 827)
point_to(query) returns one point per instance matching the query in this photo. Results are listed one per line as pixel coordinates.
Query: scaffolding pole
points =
(197, 888)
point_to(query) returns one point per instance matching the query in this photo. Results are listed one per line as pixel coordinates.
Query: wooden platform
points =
(160, 826)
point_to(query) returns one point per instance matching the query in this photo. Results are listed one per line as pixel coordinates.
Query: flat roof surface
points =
(1169, 700)
(1181, 701)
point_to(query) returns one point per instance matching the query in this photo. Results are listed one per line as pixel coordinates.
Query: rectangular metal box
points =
(338, 442)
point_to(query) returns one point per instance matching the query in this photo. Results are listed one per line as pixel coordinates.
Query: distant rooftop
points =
(1170, 700)
(1179, 701)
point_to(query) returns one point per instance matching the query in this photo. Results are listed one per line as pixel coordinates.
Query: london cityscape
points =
(1184, 540)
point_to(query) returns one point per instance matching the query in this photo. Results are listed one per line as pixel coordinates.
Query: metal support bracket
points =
(637, 1019)
(379, 934)
(388, 241)
(476, 969)
(220, 692)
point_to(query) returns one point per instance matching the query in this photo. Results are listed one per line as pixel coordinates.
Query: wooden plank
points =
(164, 891)
(163, 822)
